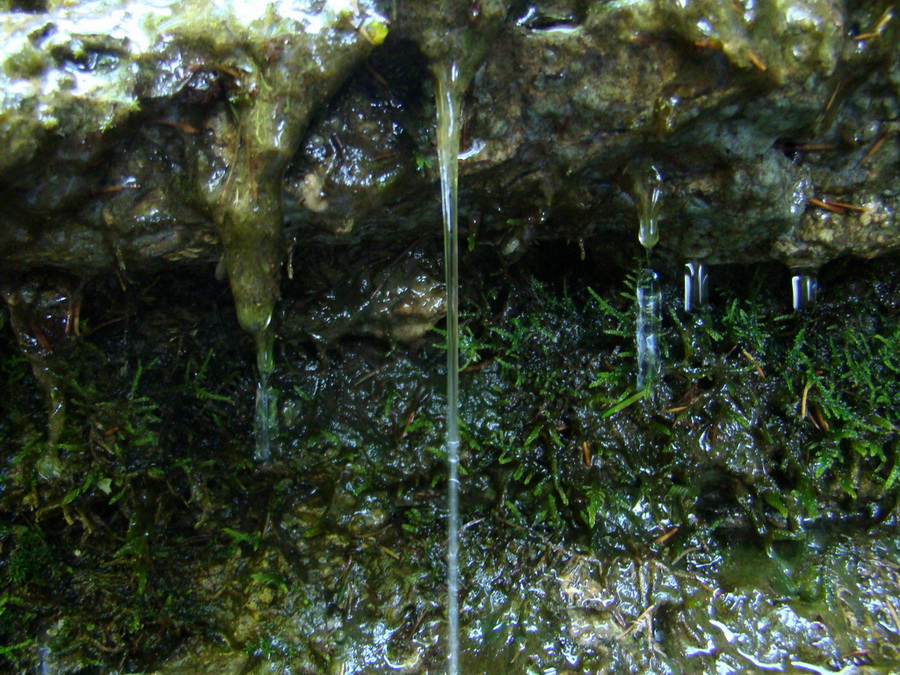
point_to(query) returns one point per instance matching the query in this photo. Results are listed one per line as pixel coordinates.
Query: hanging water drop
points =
(649, 321)
(646, 190)
(695, 286)
(804, 290)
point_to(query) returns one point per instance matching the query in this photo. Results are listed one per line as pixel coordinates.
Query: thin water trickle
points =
(696, 292)
(266, 423)
(448, 92)
(649, 321)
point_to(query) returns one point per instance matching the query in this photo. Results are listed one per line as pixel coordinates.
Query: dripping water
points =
(646, 190)
(695, 286)
(649, 319)
(266, 424)
(804, 289)
(447, 94)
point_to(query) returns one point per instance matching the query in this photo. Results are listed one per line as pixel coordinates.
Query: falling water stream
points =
(646, 190)
(448, 91)
(266, 424)
(649, 320)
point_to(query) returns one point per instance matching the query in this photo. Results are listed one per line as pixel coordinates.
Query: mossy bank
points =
(596, 524)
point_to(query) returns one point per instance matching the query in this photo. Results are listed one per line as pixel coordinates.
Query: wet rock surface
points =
(743, 521)
(398, 298)
(118, 142)
(162, 130)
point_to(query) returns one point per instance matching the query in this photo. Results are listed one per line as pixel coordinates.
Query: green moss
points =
(159, 531)
(97, 553)
(847, 382)
(729, 411)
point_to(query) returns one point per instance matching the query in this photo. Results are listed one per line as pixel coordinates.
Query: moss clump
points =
(761, 415)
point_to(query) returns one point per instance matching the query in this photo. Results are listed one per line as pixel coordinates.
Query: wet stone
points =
(742, 518)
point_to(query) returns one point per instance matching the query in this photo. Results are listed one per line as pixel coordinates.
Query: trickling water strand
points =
(646, 190)
(266, 425)
(647, 332)
(447, 95)
(695, 286)
(804, 289)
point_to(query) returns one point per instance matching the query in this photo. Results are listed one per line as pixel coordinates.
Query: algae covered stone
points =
(82, 83)
(141, 134)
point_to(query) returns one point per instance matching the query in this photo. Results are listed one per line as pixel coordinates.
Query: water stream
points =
(448, 92)
(266, 423)
(646, 190)
(649, 319)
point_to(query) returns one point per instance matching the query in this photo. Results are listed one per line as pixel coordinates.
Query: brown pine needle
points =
(879, 27)
(819, 418)
(884, 20)
(755, 60)
(875, 147)
(388, 552)
(893, 614)
(833, 97)
(803, 400)
(827, 206)
(755, 363)
(849, 207)
(836, 207)
(183, 126)
(637, 622)
(666, 536)
(814, 147)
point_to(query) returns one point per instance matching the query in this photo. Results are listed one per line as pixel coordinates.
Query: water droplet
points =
(646, 190)
(695, 286)
(800, 196)
(804, 290)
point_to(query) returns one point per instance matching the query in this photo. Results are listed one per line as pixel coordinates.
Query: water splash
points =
(804, 290)
(649, 321)
(266, 422)
(448, 92)
(696, 293)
